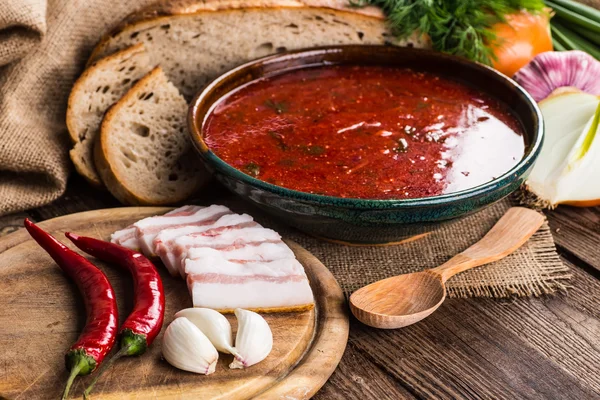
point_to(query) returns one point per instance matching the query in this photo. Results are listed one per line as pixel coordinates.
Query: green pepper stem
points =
(123, 351)
(75, 370)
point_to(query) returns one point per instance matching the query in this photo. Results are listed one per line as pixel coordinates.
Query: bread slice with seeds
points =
(144, 155)
(99, 87)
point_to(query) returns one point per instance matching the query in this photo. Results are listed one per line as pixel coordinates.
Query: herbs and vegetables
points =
(145, 320)
(99, 334)
(568, 168)
(193, 338)
(503, 33)
(575, 26)
(553, 70)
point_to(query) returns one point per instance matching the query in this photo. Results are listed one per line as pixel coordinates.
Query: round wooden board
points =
(41, 314)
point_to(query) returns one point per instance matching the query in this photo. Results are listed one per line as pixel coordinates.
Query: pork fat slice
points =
(223, 239)
(276, 268)
(164, 243)
(127, 237)
(149, 228)
(255, 293)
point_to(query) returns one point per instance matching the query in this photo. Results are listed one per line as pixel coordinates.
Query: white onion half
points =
(567, 170)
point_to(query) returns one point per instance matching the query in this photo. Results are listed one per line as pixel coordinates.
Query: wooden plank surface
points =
(576, 232)
(471, 348)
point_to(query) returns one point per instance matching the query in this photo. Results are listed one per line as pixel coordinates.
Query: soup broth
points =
(365, 132)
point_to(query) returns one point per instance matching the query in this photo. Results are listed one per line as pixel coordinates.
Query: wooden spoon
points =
(405, 299)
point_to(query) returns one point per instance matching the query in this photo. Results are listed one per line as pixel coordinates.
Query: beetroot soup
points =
(365, 132)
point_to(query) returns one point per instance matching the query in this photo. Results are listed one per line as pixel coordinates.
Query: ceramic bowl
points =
(360, 221)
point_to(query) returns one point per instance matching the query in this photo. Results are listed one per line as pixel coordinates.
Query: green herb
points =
(279, 139)
(575, 27)
(589, 21)
(279, 106)
(460, 27)
(571, 41)
(252, 168)
(313, 150)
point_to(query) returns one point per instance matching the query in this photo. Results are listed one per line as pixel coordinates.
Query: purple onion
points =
(553, 69)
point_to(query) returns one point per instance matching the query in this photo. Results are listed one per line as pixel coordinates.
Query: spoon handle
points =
(510, 232)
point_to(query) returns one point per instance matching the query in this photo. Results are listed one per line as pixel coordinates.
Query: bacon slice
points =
(126, 237)
(265, 293)
(230, 238)
(266, 251)
(149, 228)
(164, 243)
(203, 266)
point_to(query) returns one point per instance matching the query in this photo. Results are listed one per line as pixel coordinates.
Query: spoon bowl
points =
(405, 299)
(421, 294)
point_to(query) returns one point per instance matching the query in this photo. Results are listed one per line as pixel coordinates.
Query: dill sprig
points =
(460, 27)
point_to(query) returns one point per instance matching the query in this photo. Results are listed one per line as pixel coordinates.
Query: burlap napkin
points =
(46, 43)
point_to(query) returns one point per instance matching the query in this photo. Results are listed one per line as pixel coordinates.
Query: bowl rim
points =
(196, 132)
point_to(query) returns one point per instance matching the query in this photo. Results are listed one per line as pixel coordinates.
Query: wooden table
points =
(534, 348)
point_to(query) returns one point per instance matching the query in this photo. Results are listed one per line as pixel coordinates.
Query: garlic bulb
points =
(567, 170)
(551, 70)
(213, 324)
(185, 346)
(254, 339)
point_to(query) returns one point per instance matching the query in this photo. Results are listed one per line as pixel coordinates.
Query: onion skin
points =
(583, 203)
(552, 70)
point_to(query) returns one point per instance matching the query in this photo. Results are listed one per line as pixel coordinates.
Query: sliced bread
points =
(100, 86)
(194, 48)
(143, 155)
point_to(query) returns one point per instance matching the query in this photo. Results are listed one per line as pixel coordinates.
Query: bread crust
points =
(89, 172)
(164, 8)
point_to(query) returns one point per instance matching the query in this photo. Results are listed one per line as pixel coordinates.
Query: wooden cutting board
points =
(41, 315)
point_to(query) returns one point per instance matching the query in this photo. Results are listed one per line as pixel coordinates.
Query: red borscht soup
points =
(365, 132)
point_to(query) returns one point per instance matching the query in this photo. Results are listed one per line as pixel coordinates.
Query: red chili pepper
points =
(145, 321)
(100, 332)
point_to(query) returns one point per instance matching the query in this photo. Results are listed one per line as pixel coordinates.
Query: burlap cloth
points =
(43, 47)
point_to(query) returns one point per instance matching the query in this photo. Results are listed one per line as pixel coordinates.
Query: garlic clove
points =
(213, 324)
(254, 339)
(555, 69)
(184, 346)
